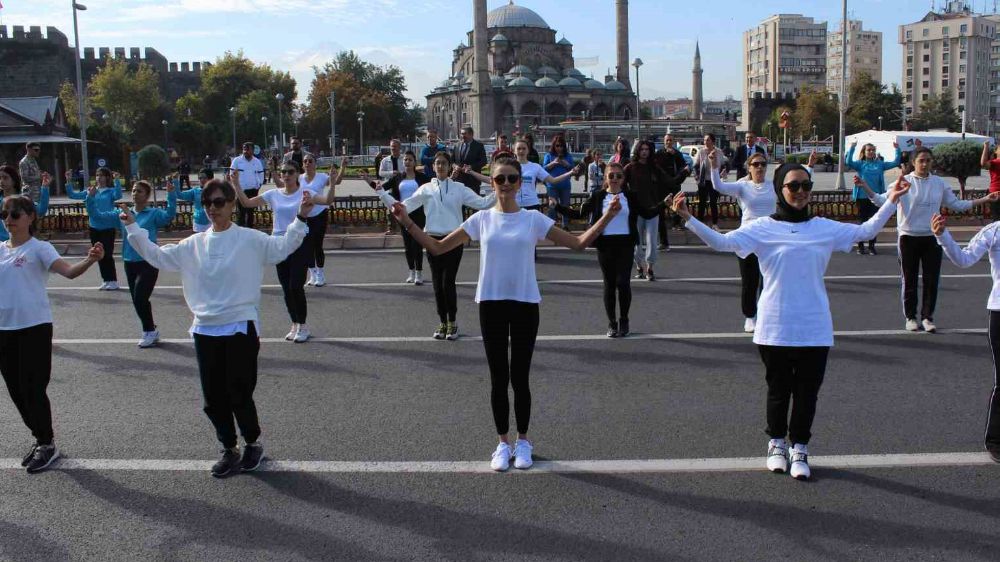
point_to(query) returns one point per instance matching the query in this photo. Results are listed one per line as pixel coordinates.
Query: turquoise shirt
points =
(559, 169)
(106, 197)
(872, 171)
(194, 196)
(150, 218)
(41, 208)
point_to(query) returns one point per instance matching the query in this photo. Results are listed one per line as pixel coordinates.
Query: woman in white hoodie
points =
(221, 272)
(442, 200)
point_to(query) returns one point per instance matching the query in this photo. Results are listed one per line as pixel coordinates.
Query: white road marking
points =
(556, 337)
(637, 284)
(735, 464)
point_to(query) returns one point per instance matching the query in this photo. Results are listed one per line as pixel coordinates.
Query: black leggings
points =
(444, 270)
(993, 416)
(509, 326)
(141, 281)
(414, 252)
(615, 256)
(866, 210)
(317, 232)
(916, 253)
(107, 264)
(750, 275)
(26, 365)
(245, 214)
(708, 196)
(227, 366)
(792, 373)
(292, 276)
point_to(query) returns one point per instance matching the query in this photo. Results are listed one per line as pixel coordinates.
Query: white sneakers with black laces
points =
(800, 462)
(521, 455)
(912, 325)
(777, 456)
(781, 459)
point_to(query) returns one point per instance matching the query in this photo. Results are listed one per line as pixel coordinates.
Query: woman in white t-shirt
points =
(26, 322)
(507, 294)
(402, 186)
(794, 330)
(316, 183)
(284, 202)
(531, 174)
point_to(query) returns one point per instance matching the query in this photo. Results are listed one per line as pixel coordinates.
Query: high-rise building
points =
(993, 123)
(864, 48)
(951, 51)
(782, 55)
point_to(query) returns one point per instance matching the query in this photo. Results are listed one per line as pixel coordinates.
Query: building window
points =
(961, 69)
(926, 32)
(909, 85)
(927, 45)
(923, 97)
(909, 72)
(909, 59)
(926, 72)
(944, 70)
(909, 34)
(946, 57)
(964, 28)
(926, 84)
(927, 58)
(962, 55)
(944, 31)
(944, 83)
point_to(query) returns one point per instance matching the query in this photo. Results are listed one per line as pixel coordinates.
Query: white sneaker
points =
(911, 325)
(302, 335)
(929, 326)
(800, 462)
(501, 458)
(522, 454)
(312, 277)
(150, 339)
(411, 277)
(750, 325)
(320, 278)
(291, 333)
(103, 287)
(418, 279)
(777, 456)
(112, 286)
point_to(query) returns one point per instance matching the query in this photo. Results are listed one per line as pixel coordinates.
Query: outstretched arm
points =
(582, 241)
(716, 240)
(249, 202)
(72, 271)
(984, 160)
(457, 237)
(980, 244)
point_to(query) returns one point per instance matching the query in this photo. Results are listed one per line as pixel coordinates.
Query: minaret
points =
(482, 118)
(696, 91)
(621, 26)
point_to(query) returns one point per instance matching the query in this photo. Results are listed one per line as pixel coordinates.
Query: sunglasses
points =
(616, 176)
(758, 164)
(218, 202)
(288, 172)
(15, 214)
(795, 186)
(509, 178)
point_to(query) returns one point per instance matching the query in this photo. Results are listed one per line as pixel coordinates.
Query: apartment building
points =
(864, 48)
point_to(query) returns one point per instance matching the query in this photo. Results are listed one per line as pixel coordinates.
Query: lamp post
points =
(638, 113)
(361, 134)
(232, 113)
(79, 98)
(165, 141)
(263, 119)
(880, 122)
(815, 138)
(842, 98)
(332, 99)
(281, 131)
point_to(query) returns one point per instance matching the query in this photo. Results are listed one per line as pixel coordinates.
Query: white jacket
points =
(925, 198)
(442, 201)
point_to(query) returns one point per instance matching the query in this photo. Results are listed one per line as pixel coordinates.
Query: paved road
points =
(375, 389)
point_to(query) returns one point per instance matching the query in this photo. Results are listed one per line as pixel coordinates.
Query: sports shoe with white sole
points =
(411, 277)
(777, 456)
(149, 339)
(928, 326)
(911, 325)
(522, 454)
(302, 335)
(253, 454)
(800, 462)
(103, 286)
(501, 458)
(418, 279)
(112, 286)
(228, 464)
(312, 277)
(320, 279)
(441, 331)
(749, 325)
(44, 456)
(452, 333)
(31, 454)
(291, 333)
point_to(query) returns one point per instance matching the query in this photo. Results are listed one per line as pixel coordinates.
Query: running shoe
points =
(312, 277)
(501, 458)
(612, 329)
(27, 458)
(253, 454)
(149, 339)
(522, 454)
(911, 325)
(302, 335)
(650, 276)
(623, 328)
(800, 462)
(418, 279)
(862, 251)
(777, 456)
(228, 464)
(872, 250)
(928, 326)
(441, 331)
(44, 456)
(291, 333)
(994, 452)
(320, 279)
(411, 277)
(749, 325)
(103, 286)
(452, 331)
(112, 286)
(639, 273)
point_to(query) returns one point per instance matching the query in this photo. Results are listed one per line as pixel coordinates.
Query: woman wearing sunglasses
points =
(221, 273)
(794, 330)
(140, 274)
(199, 222)
(507, 294)
(558, 162)
(10, 185)
(316, 183)
(284, 202)
(757, 198)
(402, 187)
(26, 322)
(616, 244)
(442, 200)
(102, 229)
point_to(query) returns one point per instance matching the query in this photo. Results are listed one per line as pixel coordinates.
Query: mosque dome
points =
(521, 81)
(513, 15)
(615, 85)
(594, 84)
(546, 82)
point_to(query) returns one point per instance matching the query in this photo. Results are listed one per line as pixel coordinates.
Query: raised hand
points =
(170, 185)
(68, 175)
(553, 203)
(306, 206)
(918, 143)
(679, 206)
(399, 213)
(713, 157)
(46, 179)
(855, 143)
(92, 191)
(938, 223)
(616, 205)
(895, 145)
(813, 158)
(858, 181)
(898, 190)
(234, 177)
(96, 252)
(126, 215)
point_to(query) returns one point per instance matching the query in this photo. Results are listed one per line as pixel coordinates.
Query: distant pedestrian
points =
(250, 171)
(469, 154)
(873, 171)
(10, 186)
(31, 171)
(319, 220)
(620, 153)
(429, 151)
(199, 218)
(102, 229)
(557, 162)
(297, 153)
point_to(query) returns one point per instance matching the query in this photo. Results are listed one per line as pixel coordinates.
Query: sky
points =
(418, 36)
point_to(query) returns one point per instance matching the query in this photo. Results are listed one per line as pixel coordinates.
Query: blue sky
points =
(418, 36)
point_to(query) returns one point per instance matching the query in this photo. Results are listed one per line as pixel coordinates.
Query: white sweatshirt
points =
(221, 272)
(925, 198)
(985, 241)
(442, 201)
(756, 200)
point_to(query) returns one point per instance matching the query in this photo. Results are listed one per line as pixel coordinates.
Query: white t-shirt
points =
(507, 253)
(251, 172)
(407, 188)
(316, 187)
(619, 224)
(24, 272)
(531, 173)
(283, 208)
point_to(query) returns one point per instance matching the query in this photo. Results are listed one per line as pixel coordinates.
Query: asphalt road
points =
(374, 388)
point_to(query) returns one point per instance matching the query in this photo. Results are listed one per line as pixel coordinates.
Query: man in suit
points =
(744, 151)
(471, 153)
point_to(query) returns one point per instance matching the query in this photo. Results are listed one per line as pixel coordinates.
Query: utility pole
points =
(80, 102)
(333, 131)
(843, 96)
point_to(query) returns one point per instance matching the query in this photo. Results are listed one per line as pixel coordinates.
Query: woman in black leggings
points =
(615, 246)
(402, 186)
(507, 294)
(319, 219)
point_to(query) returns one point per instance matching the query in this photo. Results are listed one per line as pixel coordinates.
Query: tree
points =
(153, 162)
(937, 112)
(959, 160)
(868, 100)
(126, 96)
(815, 108)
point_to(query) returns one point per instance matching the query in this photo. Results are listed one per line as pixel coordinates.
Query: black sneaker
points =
(27, 458)
(872, 250)
(612, 329)
(253, 454)
(43, 456)
(639, 273)
(862, 251)
(649, 274)
(623, 328)
(994, 452)
(228, 464)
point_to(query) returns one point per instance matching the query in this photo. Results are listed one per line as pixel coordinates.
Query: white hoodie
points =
(442, 201)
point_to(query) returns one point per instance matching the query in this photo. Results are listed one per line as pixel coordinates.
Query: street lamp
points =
(232, 112)
(880, 122)
(165, 141)
(815, 138)
(281, 132)
(638, 113)
(361, 133)
(79, 98)
(263, 120)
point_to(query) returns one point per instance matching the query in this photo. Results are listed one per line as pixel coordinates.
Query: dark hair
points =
(445, 155)
(205, 173)
(646, 143)
(248, 144)
(557, 140)
(410, 153)
(468, 129)
(32, 144)
(293, 137)
(295, 164)
(507, 161)
(528, 138)
(920, 150)
(621, 147)
(25, 205)
(103, 171)
(228, 192)
(711, 136)
(14, 175)
(502, 137)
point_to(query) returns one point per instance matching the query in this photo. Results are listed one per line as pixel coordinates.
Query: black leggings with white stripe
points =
(993, 417)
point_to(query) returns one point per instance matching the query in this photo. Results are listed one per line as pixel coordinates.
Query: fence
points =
(368, 211)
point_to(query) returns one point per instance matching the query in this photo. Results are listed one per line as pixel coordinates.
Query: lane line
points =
(554, 337)
(702, 465)
(572, 282)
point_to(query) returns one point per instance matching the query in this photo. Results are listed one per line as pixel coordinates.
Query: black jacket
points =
(475, 158)
(672, 164)
(594, 206)
(740, 158)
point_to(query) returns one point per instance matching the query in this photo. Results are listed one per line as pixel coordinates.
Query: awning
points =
(21, 139)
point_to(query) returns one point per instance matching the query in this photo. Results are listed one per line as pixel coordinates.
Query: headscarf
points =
(786, 212)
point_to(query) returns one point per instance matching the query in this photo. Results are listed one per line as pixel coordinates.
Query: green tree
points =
(868, 99)
(153, 162)
(815, 108)
(126, 96)
(959, 160)
(937, 112)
